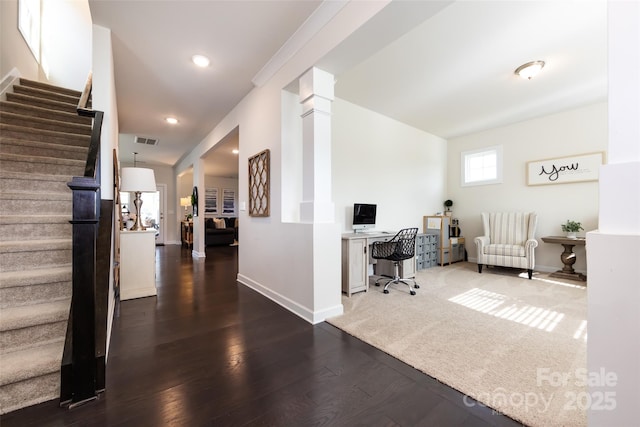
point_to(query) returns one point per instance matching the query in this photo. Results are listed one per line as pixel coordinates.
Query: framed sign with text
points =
(564, 170)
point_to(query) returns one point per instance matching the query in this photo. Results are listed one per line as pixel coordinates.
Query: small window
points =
(481, 167)
(29, 24)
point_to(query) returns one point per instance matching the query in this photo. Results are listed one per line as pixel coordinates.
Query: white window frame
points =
(465, 158)
(29, 24)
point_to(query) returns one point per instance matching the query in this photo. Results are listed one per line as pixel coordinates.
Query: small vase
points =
(571, 235)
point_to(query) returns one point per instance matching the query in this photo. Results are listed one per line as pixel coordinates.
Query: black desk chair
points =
(402, 246)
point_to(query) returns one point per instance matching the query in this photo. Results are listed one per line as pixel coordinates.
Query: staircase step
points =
(50, 88)
(44, 124)
(37, 148)
(30, 392)
(18, 182)
(38, 164)
(19, 288)
(31, 325)
(40, 373)
(35, 203)
(44, 113)
(47, 359)
(51, 104)
(49, 136)
(46, 94)
(34, 227)
(30, 254)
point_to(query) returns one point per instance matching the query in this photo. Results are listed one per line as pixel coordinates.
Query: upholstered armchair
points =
(508, 241)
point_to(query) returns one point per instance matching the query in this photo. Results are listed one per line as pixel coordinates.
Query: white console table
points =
(356, 258)
(137, 264)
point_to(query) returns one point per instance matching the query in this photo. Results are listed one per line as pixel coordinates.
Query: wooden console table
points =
(187, 233)
(568, 257)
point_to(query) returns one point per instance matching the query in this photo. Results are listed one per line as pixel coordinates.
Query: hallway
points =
(209, 352)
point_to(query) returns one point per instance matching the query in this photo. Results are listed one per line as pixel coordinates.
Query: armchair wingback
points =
(508, 240)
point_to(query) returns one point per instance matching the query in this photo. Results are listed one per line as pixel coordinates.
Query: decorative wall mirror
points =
(194, 201)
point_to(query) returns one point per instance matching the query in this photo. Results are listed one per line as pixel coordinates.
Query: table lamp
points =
(185, 201)
(138, 180)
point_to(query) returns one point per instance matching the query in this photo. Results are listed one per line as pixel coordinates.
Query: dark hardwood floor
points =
(209, 352)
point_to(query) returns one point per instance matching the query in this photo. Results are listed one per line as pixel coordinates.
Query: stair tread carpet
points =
(50, 88)
(34, 195)
(52, 104)
(24, 364)
(25, 142)
(51, 136)
(34, 176)
(44, 113)
(42, 158)
(46, 124)
(34, 314)
(9, 279)
(34, 219)
(35, 245)
(46, 94)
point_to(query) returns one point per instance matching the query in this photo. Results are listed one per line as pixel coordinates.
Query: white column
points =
(198, 221)
(317, 210)
(613, 250)
(316, 96)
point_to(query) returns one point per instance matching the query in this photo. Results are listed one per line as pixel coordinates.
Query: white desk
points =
(137, 264)
(356, 258)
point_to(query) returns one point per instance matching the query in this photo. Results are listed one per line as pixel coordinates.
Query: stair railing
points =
(84, 358)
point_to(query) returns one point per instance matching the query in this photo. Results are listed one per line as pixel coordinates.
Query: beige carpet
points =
(497, 337)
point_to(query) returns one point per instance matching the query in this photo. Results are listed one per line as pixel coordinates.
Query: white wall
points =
(14, 51)
(104, 99)
(614, 250)
(66, 42)
(582, 130)
(382, 161)
(276, 258)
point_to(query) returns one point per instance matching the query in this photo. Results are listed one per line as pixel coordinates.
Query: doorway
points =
(154, 206)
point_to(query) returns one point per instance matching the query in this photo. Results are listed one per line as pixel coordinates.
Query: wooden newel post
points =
(86, 198)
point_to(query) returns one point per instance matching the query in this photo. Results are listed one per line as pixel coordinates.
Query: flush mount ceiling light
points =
(530, 69)
(171, 120)
(235, 151)
(200, 60)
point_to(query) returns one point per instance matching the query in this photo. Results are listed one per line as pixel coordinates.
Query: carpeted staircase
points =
(43, 143)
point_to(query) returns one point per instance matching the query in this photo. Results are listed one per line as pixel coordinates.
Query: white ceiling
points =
(441, 67)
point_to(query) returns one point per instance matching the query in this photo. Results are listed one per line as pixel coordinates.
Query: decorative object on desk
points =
(185, 202)
(562, 170)
(447, 205)
(259, 184)
(138, 180)
(571, 228)
(194, 200)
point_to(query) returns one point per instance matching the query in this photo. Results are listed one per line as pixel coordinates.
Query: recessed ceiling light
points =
(530, 69)
(235, 151)
(200, 60)
(171, 120)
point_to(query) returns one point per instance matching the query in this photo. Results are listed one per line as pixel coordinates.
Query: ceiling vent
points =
(146, 141)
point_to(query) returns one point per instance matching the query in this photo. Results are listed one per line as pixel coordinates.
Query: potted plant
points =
(571, 228)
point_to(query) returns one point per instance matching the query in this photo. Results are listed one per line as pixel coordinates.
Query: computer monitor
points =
(364, 216)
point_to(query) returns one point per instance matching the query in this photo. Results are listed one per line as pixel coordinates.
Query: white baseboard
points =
(173, 242)
(196, 254)
(297, 309)
(6, 85)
